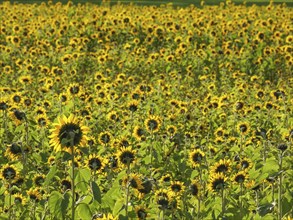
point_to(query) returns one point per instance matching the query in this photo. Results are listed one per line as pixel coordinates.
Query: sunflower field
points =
(146, 112)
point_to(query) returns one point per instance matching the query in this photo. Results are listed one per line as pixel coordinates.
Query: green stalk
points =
(72, 134)
(223, 202)
(9, 205)
(127, 188)
(280, 188)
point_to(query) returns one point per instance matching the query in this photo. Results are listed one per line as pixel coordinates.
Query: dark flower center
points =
(15, 149)
(95, 164)
(141, 214)
(243, 128)
(222, 168)
(197, 157)
(163, 203)
(176, 188)
(244, 164)
(9, 173)
(70, 135)
(147, 187)
(218, 184)
(240, 178)
(39, 180)
(105, 138)
(194, 189)
(152, 124)
(127, 157)
(66, 184)
(19, 115)
(74, 90)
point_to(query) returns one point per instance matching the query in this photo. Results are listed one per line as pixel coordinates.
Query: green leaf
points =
(96, 192)
(50, 175)
(82, 177)
(58, 204)
(84, 211)
(119, 205)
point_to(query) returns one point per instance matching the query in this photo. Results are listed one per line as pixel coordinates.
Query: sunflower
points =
(104, 138)
(223, 166)
(113, 116)
(177, 188)
(132, 105)
(243, 128)
(95, 163)
(13, 151)
(74, 89)
(17, 116)
(9, 172)
(217, 182)
(138, 133)
(163, 198)
(4, 105)
(147, 187)
(153, 124)
(68, 133)
(35, 194)
(196, 157)
(240, 177)
(19, 199)
(244, 164)
(65, 184)
(194, 188)
(42, 121)
(141, 212)
(166, 178)
(171, 130)
(126, 156)
(39, 179)
(16, 98)
(134, 180)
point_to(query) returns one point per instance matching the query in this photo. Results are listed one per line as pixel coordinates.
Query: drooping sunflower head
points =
(217, 182)
(163, 198)
(141, 212)
(17, 116)
(35, 194)
(13, 151)
(134, 180)
(39, 179)
(196, 157)
(67, 133)
(9, 172)
(194, 188)
(126, 156)
(153, 124)
(4, 104)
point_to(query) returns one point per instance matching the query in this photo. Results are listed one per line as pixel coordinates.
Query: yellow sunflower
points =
(67, 133)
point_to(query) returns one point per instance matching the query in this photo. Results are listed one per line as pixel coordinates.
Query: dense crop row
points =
(143, 112)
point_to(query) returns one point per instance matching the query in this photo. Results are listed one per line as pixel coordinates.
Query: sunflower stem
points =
(127, 188)
(280, 188)
(240, 199)
(223, 202)
(72, 134)
(9, 204)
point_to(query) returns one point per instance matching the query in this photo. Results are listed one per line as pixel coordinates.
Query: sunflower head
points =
(19, 199)
(223, 166)
(163, 198)
(9, 172)
(69, 132)
(196, 157)
(126, 156)
(240, 177)
(95, 163)
(153, 124)
(141, 212)
(217, 182)
(13, 151)
(177, 188)
(194, 188)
